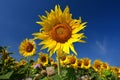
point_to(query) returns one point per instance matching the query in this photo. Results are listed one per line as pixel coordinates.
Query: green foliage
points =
(10, 69)
(68, 74)
(7, 75)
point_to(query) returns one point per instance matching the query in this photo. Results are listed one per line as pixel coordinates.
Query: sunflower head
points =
(105, 66)
(27, 48)
(59, 30)
(97, 66)
(43, 59)
(80, 63)
(55, 65)
(72, 61)
(23, 62)
(51, 61)
(64, 60)
(86, 63)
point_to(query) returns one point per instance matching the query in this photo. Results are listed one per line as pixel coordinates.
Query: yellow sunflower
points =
(59, 31)
(51, 61)
(86, 63)
(97, 66)
(80, 63)
(64, 60)
(27, 48)
(105, 66)
(23, 62)
(43, 59)
(72, 61)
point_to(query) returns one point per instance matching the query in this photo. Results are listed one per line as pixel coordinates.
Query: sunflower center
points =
(61, 33)
(72, 60)
(43, 59)
(29, 47)
(79, 63)
(98, 67)
(86, 63)
(63, 58)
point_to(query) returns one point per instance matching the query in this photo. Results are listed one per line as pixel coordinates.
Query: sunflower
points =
(97, 66)
(51, 61)
(23, 62)
(43, 59)
(27, 48)
(55, 64)
(80, 63)
(59, 31)
(72, 61)
(64, 60)
(105, 66)
(86, 63)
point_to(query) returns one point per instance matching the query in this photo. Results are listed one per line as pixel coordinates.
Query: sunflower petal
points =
(72, 40)
(57, 47)
(51, 52)
(72, 49)
(78, 29)
(51, 45)
(44, 42)
(39, 35)
(66, 48)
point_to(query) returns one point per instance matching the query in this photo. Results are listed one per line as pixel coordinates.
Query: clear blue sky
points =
(18, 21)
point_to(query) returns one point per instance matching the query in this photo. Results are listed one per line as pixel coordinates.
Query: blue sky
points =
(18, 21)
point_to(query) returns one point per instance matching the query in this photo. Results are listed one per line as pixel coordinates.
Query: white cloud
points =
(101, 46)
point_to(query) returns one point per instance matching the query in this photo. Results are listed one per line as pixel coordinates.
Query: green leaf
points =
(45, 78)
(56, 77)
(7, 75)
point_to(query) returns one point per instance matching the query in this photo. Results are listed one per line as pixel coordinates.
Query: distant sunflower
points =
(27, 48)
(60, 31)
(80, 63)
(72, 61)
(23, 62)
(64, 60)
(87, 63)
(43, 59)
(97, 66)
(105, 66)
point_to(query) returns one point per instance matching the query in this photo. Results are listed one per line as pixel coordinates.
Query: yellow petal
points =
(72, 49)
(44, 46)
(74, 22)
(51, 52)
(72, 40)
(45, 42)
(77, 35)
(51, 45)
(47, 13)
(82, 41)
(78, 29)
(57, 47)
(66, 48)
(40, 35)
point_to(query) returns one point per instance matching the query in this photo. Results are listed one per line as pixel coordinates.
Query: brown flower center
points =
(79, 63)
(72, 60)
(97, 66)
(43, 59)
(29, 47)
(86, 63)
(63, 58)
(61, 33)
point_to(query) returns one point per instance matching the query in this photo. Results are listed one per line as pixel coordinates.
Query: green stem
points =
(59, 71)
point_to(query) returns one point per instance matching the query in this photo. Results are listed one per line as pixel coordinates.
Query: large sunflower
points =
(27, 48)
(59, 31)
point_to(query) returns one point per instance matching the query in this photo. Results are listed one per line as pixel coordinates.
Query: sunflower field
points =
(58, 32)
